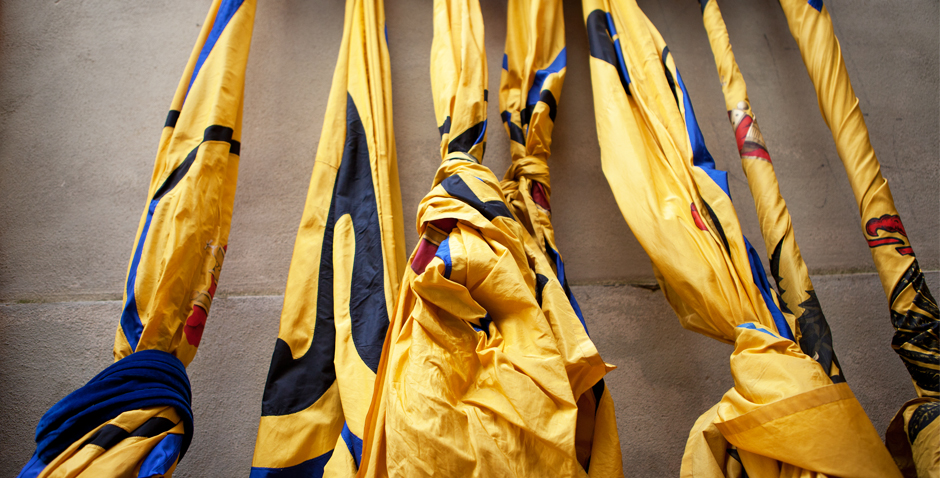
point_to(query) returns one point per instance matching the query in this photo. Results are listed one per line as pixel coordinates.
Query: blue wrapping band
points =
(149, 378)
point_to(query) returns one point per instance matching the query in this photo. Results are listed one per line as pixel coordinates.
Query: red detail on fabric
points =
(698, 219)
(445, 225)
(740, 133)
(887, 223)
(884, 242)
(539, 196)
(906, 251)
(194, 325)
(754, 150)
(423, 256)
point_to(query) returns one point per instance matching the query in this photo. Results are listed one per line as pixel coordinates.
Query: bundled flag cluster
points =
(472, 358)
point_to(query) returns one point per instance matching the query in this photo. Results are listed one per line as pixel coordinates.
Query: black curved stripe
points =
(540, 283)
(548, 98)
(171, 118)
(212, 133)
(515, 132)
(467, 139)
(294, 385)
(669, 78)
(455, 186)
(444, 128)
(108, 436)
(153, 427)
(717, 223)
(601, 43)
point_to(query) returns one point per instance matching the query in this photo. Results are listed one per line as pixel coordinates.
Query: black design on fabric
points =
(466, 140)
(455, 186)
(444, 128)
(171, 118)
(815, 334)
(515, 132)
(669, 78)
(296, 384)
(601, 43)
(917, 328)
(717, 223)
(546, 97)
(106, 437)
(212, 133)
(924, 415)
(540, 283)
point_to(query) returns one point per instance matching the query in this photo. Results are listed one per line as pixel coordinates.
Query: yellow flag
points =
(533, 72)
(344, 274)
(485, 357)
(135, 417)
(785, 416)
(914, 312)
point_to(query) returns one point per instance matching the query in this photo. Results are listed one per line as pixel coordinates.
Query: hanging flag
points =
(533, 72)
(485, 356)
(785, 416)
(135, 417)
(344, 274)
(797, 297)
(914, 312)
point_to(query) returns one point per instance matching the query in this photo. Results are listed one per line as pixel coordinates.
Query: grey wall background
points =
(84, 90)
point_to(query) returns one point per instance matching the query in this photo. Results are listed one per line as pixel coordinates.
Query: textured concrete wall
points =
(84, 89)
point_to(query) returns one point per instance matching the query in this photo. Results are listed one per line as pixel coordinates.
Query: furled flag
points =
(785, 416)
(797, 297)
(135, 417)
(914, 433)
(485, 358)
(344, 274)
(533, 71)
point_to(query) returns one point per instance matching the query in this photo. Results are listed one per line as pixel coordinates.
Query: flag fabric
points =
(914, 312)
(533, 71)
(797, 296)
(135, 417)
(344, 274)
(485, 357)
(784, 416)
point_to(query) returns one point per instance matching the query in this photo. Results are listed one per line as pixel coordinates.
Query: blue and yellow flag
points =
(915, 431)
(135, 417)
(485, 358)
(533, 72)
(344, 274)
(785, 416)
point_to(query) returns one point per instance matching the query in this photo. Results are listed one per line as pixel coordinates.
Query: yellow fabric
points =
(345, 271)
(913, 310)
(485, 357)
(671, 196)
(180, 244)
(532, 76)
(797, 296)
(920, 456)
(178, 265)
(119, 461)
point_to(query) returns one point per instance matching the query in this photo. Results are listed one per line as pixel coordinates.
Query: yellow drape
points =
(344, 274)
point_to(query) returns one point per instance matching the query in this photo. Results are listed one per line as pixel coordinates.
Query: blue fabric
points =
(353, 442)
(560, 266)
(443, 251)
(33, 468)
(149, 378)
(621, 63)
(312, 468)
(226, 11)
(703, 159)
(817, 4)
(750, 325)
(131, 324)
(161, 457)
(760, 279)
(505, 62)
(482, 134)
(535, 91)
